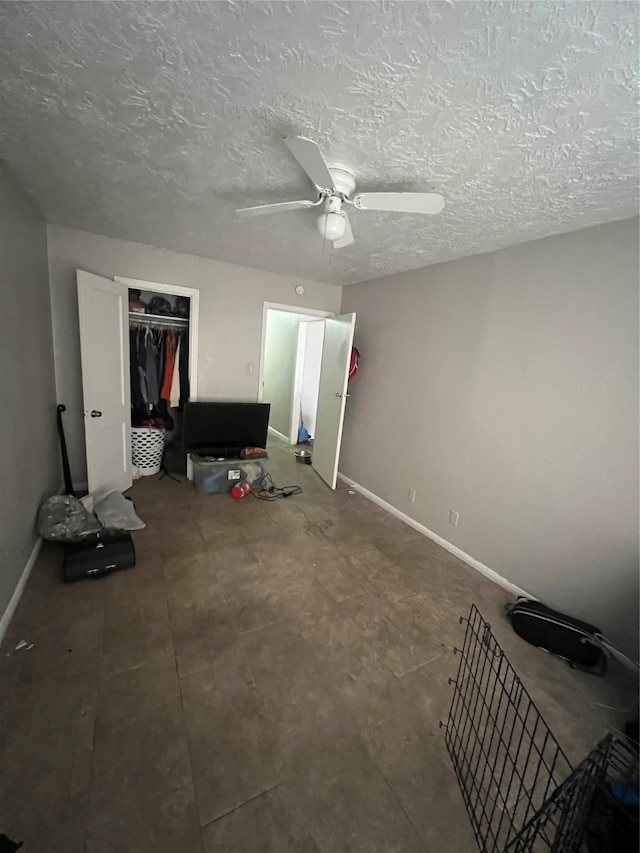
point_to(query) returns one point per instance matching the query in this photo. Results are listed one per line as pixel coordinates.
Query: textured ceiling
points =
(154, 121)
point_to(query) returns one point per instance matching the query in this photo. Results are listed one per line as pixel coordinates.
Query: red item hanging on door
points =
(169, 363)
(354, 363)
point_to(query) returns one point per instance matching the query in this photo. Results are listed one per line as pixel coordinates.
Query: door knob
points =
(95, 413)
(338, 394)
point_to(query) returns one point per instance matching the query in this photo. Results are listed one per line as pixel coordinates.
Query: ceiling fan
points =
(335, 185)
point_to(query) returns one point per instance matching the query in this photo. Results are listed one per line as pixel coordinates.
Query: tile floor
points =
(270, 677)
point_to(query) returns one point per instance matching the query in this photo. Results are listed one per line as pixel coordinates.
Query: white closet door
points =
(104, 346)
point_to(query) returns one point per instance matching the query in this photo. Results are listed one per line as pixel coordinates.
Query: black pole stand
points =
(68, 485)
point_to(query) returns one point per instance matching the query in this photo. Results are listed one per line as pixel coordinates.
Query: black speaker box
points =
(109, 551)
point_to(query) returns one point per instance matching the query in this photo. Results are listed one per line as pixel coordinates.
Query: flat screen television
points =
(224, 429)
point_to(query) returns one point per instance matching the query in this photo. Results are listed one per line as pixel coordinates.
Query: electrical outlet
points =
(411, 496)
(454, 517)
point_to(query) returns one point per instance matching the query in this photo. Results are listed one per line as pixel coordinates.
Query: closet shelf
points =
(165, 319)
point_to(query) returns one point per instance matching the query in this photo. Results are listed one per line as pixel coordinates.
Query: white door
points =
(334, 376)
(104, 346)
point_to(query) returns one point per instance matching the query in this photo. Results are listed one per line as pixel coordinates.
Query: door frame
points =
(194, 319)
(312, 314)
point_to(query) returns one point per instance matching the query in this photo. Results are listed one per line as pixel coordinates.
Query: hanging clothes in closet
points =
(159, 371)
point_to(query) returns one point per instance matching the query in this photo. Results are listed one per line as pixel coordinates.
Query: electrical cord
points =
(268, 490)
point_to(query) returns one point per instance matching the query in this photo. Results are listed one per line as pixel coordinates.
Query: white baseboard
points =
(448, 546)
(279, 435)
(7, 616)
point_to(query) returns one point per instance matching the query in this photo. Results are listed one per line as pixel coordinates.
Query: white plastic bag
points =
(114, 510)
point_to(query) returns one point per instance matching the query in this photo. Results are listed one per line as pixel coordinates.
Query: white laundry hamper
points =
(147, 449)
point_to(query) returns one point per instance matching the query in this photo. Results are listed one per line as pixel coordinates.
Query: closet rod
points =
(158, 320)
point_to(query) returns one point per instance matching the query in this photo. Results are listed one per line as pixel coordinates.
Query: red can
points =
(240, 490)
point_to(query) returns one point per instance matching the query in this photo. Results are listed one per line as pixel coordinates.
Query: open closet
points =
(159, 374)
(139, 366)
(158, 357)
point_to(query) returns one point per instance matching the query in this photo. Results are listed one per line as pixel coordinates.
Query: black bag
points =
(108, 551)
(554, 632)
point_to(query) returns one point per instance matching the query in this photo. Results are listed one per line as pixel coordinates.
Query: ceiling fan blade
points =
(308, 154)
(347, 237)
(400, 202)
(284, 206)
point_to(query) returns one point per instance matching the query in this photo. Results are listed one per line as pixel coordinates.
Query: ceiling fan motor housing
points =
(344, 180)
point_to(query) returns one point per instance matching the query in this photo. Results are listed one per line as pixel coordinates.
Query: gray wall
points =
(280, 350)
(231, 307)
(505, 386)
(29, 460)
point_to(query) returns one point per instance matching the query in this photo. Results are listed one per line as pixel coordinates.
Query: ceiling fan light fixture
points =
(331, 225)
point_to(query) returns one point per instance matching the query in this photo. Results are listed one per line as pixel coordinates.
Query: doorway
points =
(283, 370)
(290, 368)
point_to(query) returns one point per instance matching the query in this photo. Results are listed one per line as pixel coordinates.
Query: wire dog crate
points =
(521, 792)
